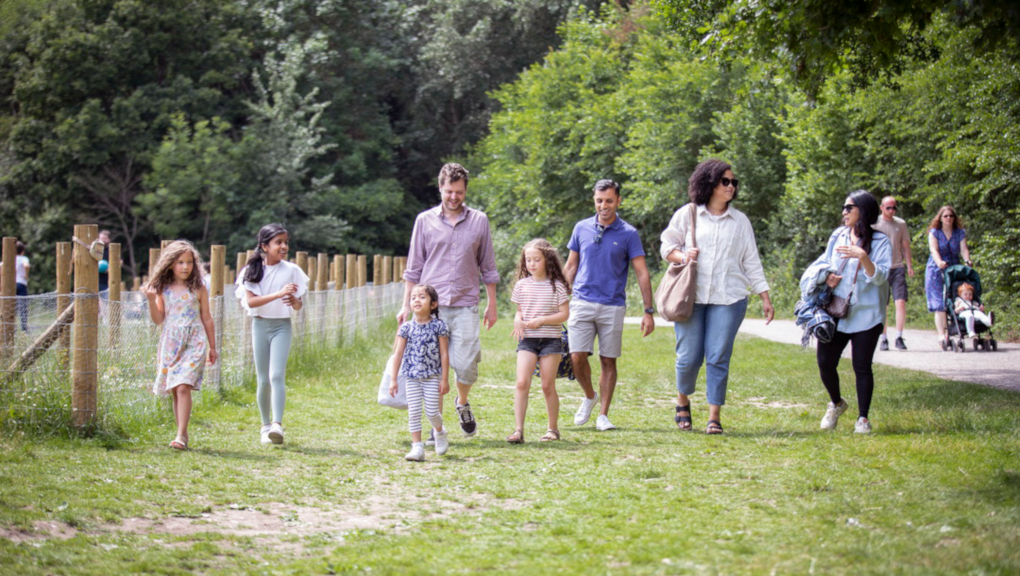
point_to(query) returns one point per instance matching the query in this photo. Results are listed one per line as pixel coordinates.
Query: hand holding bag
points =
(675, 295)
(400, 400)
(838, 306)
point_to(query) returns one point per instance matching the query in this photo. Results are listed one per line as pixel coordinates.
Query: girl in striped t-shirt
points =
(542, 297)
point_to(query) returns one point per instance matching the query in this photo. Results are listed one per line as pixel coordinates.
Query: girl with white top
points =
(727, 264)
(543, 305)
(21, 267)
(270, 288)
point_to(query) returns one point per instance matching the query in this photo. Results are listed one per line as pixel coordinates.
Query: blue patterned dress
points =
(949, 251)
(183, 345)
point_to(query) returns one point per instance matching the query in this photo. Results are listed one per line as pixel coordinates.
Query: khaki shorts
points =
(465, 341)
(588, 320)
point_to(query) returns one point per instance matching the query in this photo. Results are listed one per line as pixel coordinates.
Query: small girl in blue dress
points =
(421, 356)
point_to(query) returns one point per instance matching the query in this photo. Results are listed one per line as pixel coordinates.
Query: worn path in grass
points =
(1000, 369)
(935, 490)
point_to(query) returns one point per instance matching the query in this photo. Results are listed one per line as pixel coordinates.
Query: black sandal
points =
(714, 427)
(684, 419)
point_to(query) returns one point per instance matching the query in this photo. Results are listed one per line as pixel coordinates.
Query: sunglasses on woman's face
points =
(726, 182)
(949, 215)
(848, 208)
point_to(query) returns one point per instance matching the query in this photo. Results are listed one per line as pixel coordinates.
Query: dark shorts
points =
(898, 283)
(541, 346)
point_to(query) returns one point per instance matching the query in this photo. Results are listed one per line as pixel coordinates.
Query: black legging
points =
(861, 354)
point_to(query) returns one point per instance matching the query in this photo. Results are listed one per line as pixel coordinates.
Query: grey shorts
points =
(898, 283)
(541, 346)
(465, 341)
(588, 320)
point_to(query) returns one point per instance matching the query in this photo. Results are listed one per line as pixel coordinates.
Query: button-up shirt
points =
(729, 267)
(452, 255)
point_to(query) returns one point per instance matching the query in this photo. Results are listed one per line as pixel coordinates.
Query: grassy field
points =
(935, 490)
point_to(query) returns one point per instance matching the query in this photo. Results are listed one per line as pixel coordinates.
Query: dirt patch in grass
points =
(759, 402)
(43, 530)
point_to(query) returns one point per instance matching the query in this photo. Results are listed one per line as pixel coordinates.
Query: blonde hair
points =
(163, 274)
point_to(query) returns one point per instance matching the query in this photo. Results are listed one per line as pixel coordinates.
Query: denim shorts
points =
(541, 346)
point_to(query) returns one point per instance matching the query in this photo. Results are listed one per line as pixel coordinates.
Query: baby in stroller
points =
(969, 311)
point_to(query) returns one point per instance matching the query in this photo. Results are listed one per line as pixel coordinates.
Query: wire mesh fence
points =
(37, 388)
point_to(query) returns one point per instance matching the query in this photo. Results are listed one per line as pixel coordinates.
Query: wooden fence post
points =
(86, 328)
(313, 274)
(362, 270)
(10, 293)
(302, 261)
(153, 259)
(352, 271)
(113, 314)
(322, 280)
(136, 284)
(376, 270)
(396, 269)
(387, 269)
(217, 273)
(63, 300)
(338, 272)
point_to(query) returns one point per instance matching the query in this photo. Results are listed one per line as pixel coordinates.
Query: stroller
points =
(953, 277)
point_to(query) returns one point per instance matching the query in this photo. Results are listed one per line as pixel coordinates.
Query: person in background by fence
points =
(104, 263)
(21, 267)
(180, 303)
(270, 287)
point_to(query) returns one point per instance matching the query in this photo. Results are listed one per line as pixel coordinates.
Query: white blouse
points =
(274, 278)
(729, 267)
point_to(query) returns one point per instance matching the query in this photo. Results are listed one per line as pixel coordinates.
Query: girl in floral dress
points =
(179, 301)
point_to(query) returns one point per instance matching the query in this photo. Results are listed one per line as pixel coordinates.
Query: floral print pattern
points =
(934, 283)
(182, 345)
(421, 354)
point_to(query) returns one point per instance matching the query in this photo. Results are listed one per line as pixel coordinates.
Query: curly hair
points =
(163, 273)
(453, 172)
(936, 222)
(705, 178)
(553, 267)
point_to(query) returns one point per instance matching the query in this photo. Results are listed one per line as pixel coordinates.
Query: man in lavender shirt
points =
(451, 249)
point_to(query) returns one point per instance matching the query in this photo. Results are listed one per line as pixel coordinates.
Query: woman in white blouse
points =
(728, 270)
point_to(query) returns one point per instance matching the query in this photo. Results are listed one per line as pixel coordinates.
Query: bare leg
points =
(182, 394)
(525, 366)
(547, 371)
(582, 372)
(940, 324)
(462, 394)
(901, 315)
(607, 383)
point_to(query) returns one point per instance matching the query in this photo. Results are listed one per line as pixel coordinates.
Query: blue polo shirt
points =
(602, 271)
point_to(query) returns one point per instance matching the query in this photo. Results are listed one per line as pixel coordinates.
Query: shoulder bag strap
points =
(694, 223)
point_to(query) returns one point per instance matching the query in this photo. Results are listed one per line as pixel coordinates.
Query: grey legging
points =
(270, 341)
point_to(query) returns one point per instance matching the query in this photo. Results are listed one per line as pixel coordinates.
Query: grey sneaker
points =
(432, 438)
(862, 426)
(900, 345)
(584, 410)
(417, 453)
(883, 345)
(832, 414)
(442, 443)
(467, 420)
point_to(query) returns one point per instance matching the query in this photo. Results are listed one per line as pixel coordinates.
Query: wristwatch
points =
(649, 310)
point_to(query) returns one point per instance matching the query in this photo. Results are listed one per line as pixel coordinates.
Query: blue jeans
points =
(707, 335)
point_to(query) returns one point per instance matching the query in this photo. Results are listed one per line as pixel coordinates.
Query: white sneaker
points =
(584, 410)
(417, 453)
(276, 433)
(862, 426)
(442, 443)
(602, 423)
(832, 414)
(265, 435)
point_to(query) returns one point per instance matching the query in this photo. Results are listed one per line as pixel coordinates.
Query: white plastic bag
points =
(400, 400)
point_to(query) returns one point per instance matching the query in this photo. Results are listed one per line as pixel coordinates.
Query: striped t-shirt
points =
(537, 298)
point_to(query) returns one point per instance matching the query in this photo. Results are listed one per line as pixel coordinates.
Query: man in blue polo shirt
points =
(602, 249)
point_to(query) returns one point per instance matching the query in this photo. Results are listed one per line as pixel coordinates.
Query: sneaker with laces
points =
(883, 344)
(264, 433)
(584, 410)
(862, 426)
(417, 453)
(432, 438)
(442, 443)
(467, 420)
(602, 423)
(900, 344)
(832, 414)
(276, 433)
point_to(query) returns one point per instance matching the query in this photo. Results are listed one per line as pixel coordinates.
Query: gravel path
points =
(999, 369)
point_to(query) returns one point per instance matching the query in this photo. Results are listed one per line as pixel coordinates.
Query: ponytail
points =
(254, 270)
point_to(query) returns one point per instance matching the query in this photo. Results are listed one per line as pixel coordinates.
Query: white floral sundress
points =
(183, 345)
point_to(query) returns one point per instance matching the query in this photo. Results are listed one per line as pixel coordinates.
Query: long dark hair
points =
(868, 210)
(705, 178)
(255, 268)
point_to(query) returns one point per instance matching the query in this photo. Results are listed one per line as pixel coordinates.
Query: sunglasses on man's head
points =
(726, 182)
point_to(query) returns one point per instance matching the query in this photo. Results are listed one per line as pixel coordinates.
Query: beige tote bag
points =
(675, 295)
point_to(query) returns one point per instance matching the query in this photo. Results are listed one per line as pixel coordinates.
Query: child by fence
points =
(179, 302)
(270, 288)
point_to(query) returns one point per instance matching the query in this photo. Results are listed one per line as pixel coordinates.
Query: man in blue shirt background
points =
(602, 249)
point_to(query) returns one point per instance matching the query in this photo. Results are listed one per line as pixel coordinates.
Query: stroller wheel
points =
(961, 346)
(995, 345)
(944, 343)
(978, 343)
